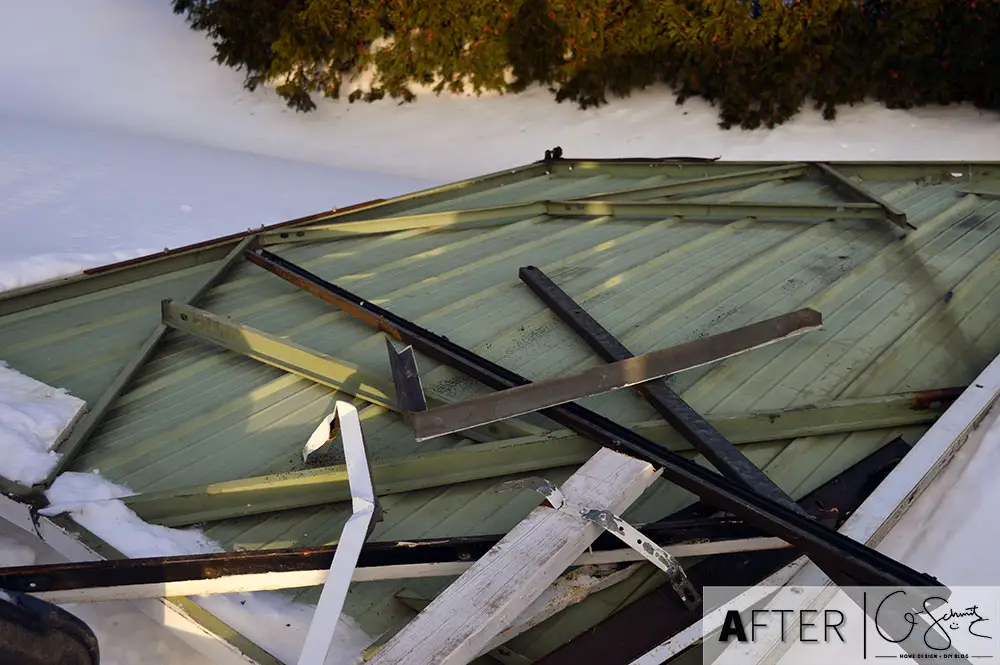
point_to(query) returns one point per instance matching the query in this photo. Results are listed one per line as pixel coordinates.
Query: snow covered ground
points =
(119, 136)
(72, 197)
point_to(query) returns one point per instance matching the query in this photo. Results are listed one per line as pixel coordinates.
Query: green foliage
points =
(758, 61)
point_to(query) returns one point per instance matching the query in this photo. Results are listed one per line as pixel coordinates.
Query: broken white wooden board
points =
(306, 578)
(572, 588)
(869, 524)
(461, 622)
(34, 419)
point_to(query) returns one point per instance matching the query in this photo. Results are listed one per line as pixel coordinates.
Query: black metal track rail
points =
(829, 549)
(151, 570)
(707, 440)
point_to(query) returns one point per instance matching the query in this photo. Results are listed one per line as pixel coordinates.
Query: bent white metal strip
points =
(352, 538)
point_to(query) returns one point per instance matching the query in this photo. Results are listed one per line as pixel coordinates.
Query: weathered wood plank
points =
(460, 623)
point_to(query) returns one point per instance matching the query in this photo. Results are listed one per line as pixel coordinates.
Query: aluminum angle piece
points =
(651, 551)
(540, 395)
(405, 378)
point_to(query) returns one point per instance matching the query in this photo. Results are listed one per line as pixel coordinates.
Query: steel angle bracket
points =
(406, 379)
(541, 395)
(659, 557)
(722, 454)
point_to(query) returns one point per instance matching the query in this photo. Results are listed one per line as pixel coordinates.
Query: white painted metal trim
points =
(871, 522)
(352, 538)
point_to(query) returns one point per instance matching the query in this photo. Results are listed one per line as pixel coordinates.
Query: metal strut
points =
(829, 549)
(540, 395)
(707, 440)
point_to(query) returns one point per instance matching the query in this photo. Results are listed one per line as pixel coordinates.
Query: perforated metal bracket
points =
(651, 551)
(622, 530)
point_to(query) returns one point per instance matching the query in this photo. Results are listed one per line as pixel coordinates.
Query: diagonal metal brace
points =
(657, 555)
(630, 371)
(722, 454)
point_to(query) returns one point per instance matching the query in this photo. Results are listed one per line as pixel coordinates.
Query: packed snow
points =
(73, 198)
(33, 417)
(275, 623)
(952, 530)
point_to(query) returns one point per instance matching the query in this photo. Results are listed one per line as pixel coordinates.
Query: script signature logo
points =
(941, 622)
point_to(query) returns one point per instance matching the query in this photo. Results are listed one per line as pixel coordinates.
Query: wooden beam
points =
(721, 211)
(302, 361)
(570, 589)
(851, 188)
(706, 185)
(81, 433)
(450, 220)
(313, 487)
(648, 621)
(461, 622)
(503, 655)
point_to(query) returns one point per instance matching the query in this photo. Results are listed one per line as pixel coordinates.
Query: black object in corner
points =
(33, 632)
